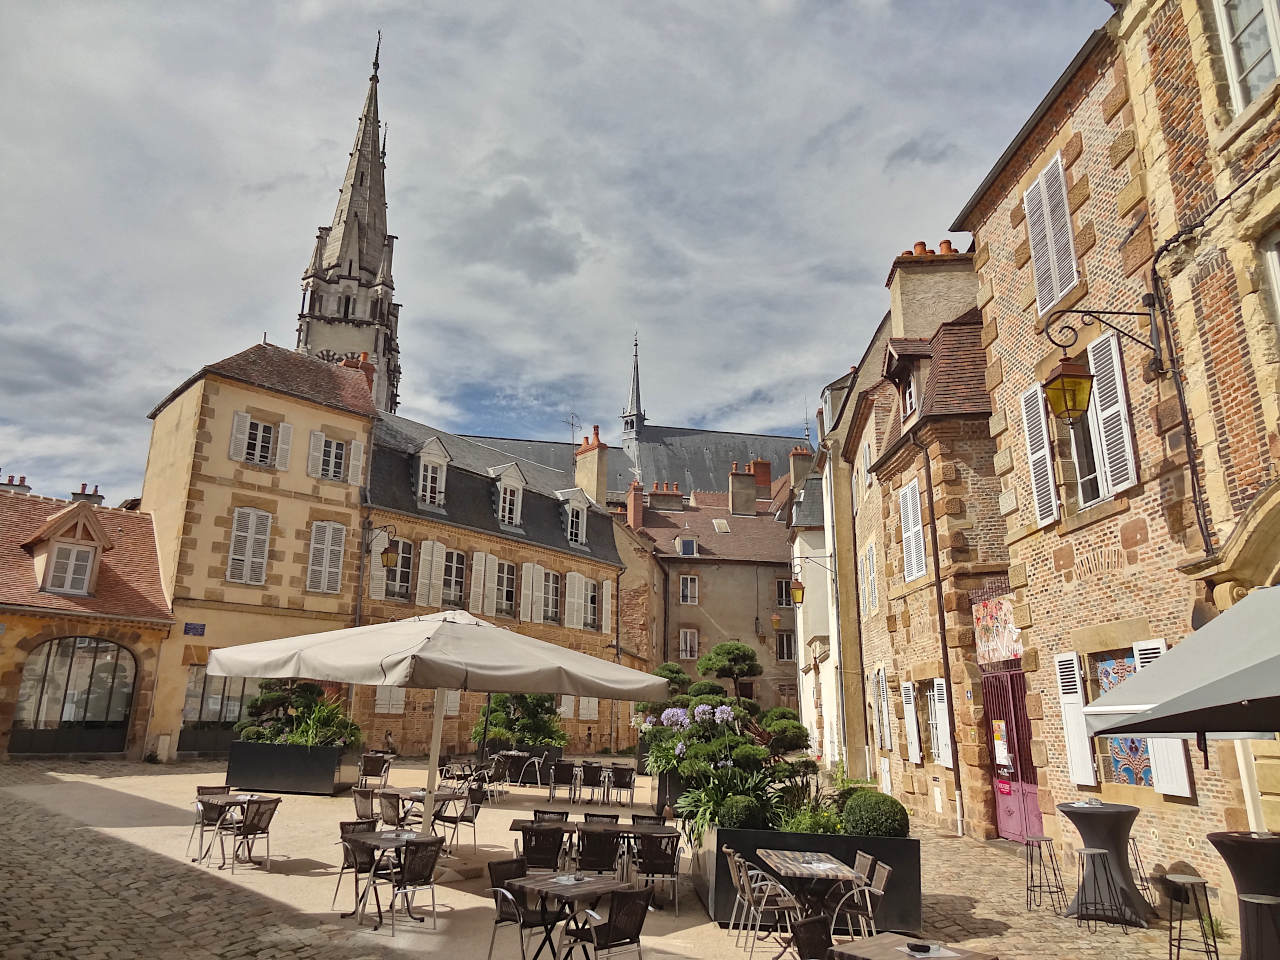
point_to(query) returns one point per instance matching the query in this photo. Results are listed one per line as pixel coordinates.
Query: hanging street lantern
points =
(797, 592)
(1067, 390)
(390, 555)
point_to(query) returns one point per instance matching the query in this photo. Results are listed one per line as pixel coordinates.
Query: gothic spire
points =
(633, 404)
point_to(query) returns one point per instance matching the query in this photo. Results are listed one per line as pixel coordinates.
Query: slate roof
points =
(761, 538)
(128, 582)
(471, 492)
(808, 510)
(694, 458)
(291, 373)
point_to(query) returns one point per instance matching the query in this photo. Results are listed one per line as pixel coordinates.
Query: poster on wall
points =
(1000, 738)
(995, 635)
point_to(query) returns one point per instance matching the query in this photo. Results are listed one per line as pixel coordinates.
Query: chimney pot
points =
(22, 480)
(364, 356)
(920, 248)
(655, 484)
(11, 478)
(905, 253)
(933, 253)
(595, 432)
(945, 247)
(676, 486)
(85, 486)
(585, 441)
(95, 489)
(735, 466)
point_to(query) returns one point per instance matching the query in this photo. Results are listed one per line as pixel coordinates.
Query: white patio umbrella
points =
(443, 651)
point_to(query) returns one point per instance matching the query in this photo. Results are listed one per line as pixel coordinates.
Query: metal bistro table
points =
(1254, 862)
(411, 795)
(232, 806)
(810, 870)
(1107, 825)
(566, 892)
(889, 946)
(382, 841)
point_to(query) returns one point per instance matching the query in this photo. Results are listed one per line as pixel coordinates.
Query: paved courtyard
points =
(94, 867)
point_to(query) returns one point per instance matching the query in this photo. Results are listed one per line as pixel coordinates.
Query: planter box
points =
(289, 768)
(899, 911)
(530, 778)
(670, 787)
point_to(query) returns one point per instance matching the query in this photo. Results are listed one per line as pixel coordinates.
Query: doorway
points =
(76, 696)
(1004, 698)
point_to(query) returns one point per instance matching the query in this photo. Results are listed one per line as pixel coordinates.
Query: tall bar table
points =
(1107, 825)
(1254, 862)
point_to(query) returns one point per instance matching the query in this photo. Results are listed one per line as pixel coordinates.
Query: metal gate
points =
(1004, 699)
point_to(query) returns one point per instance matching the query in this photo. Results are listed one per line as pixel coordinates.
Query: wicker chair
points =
(657, 861)
(600, 818)
(860, 903)
(811, 938)
(623, 781)
(599, 851)
(389, 808)
(466, 816)
(374, 770)
(542, 846)
(511, 910)
(256, 825)
(592, 779)
(644, 818)
(618, 932)
(363, 798)
(763, 895)
(416, 871)
(356, 857)
(207, 817)
(562, 775)
(551, 816)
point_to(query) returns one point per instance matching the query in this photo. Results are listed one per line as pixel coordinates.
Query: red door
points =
(1004, 698)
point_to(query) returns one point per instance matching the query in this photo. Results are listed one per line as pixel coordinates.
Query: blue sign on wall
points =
(193, 629)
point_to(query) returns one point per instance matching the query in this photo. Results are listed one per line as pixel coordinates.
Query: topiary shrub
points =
(741, 812)
(869, 814)
(777, 713)
(749, 756)
(707, 688)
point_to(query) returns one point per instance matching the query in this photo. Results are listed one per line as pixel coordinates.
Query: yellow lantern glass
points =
(1068, 389)
(390, 555)
(797, 592)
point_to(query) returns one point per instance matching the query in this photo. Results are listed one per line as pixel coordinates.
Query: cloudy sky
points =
(730, 179)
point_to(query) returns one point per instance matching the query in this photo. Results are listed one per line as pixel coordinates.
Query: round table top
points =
(1088, 808)
(1245, 836)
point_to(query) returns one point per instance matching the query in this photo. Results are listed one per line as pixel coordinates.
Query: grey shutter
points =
(911, 721)
(1074, 733)
(315, 453)
(437, 575)
(333, 558)
(238, 555)
(258, 545)
(239, 435)
(1169, 773)
(284, 445)
(452, 703)
(377, 574)
(526, 592)
(423, 583)
(539, 592)
(316, 556)
(566, 706)
(1053, 187)
(606, 606)
(1113, 436)
(491, 586)
(872, 596)
(1035, 425)
(477, 582)
(1041, 251)
(886, 710)
(355, 468)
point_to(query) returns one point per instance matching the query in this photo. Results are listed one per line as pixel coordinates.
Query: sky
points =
(728, 180)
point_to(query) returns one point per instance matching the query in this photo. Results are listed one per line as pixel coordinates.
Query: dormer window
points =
(433, 466)
(509, 506)
(511, 483)
(908, 397)
(577, 525)
(66, 549)
(687, 546)
(70, 569)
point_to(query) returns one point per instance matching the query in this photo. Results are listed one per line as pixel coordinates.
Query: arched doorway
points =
(76, 697)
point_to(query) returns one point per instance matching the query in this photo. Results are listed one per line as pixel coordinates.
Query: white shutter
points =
(1112, 435)
(425, 557)
(239, 435)
(606, 606)
(1041, 251)
(1053, 187)
(333, 558)
(284, 445)
(1169, 774)
(238, 556)
(355, 466)
(566, 706)
(588, 708)
(491, 586)
(1035, 424)
(912, 532)
(573, 600)
(453, 703)
(315, 453)
(258, 545)
(477, 582)
(316, 556)
(1074, 734)
(377, 573)
(911, 721)
(871, 576)
(886, 720)
(539, 592)
(944, 726)
(526, 592)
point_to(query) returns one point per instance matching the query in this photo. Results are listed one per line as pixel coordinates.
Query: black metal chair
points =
(551, 816)
(623, 781)
(592, 779)
(599, 851)
(562, 775)
(811, 938)
(389, 809)
(495, 784)
(256, 825)
(600, 818)
(658, 861)
(617, 932)
(464, 817)
(374, 770)
(363, 798)
(644, 818)
(415, 872)
(207, 816)
(510, 909)
(357, 857)
(542, 845)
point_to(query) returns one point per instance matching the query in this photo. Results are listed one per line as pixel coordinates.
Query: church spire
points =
(633, 415)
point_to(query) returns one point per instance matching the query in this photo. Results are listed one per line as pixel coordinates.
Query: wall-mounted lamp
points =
(797, 587)
(390, 554)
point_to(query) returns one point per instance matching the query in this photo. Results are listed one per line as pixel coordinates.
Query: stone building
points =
(255, 541)
(83, 617)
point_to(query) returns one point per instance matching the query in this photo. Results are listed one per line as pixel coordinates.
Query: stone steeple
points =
(347, 302)
(633, 415)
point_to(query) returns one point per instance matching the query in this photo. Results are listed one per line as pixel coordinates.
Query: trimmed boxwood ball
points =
(707, 688)
(871, 814)
(740, 812)
(777, 713)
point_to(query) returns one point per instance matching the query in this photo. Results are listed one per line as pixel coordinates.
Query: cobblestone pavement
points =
(93, 868)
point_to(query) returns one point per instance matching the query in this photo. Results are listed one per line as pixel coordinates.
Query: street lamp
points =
(1068, 389)
(797, 590)
(390, 554)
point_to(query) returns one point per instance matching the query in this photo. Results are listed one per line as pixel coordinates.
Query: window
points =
(1250, 32)
(1053, 254)
(688, 644)
(509, 506)
(431, 488)
(869, 571)
(219, 700)
(588, 708)
(939, 728)
(265, 444)
(250, 535)
(747, 689)
(1101, 442)
(908, 397)
(506, 588)
(688, 589)
(398, 576)
(590, 605)
(687, 546)
(258, 446)
(1271, 252)
(455, 571)
(577, 525)
(787, 696)
(784, 592)
(333, 460)
(324, 571)
(786, 644)
(884, 711)
(720, 525)
(1082, 453)
(912, 532)
(1123, 759)
(388, 700)
(866, 463)
(70, 568)
(550, 597)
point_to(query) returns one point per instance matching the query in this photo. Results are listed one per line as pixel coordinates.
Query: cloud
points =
(559, 175)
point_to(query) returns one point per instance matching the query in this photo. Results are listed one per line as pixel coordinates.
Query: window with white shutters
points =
(550, 596)
(912, 532)
(70, 569)
(455, 577)
(1035, 423)
(327, 458)
(688, 589)
(431, 573)
(886, 711)
(590, 605)
(1053, 254)
(588, 708)
(260, 442)
(250, 537)
(688, 644)
(573, 596)
(939, 727)
(324, 568)
(506, 587)
(1112, 434)
(388, 700)
(453, 703)
(1075, 735)
(1250, 36)
(1169, 770)
(397, 586)
(911, 721)
(873, 599)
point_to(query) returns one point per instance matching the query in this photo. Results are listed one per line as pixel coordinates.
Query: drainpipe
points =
(666, 607)
(942, 634)
(857, 619)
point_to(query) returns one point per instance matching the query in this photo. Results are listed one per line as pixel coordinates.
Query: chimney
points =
(763, 471)
(16, 486)
(83, 494)
(664, 497)
(591, 467)
(635, 505)
(362, 364)
(742, 492)
(801, 464)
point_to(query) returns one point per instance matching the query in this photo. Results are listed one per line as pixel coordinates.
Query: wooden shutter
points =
(238, 556)
(1074, 734)
(377, 573)
(431, 582)
(1041, 251)
(355, 462)
(1112, 434)
(573, 600)
(478, 561)
(258, 545)
(526, 592)
(944, 726)
(333, 558)
(606, 606)
(315, 453)
(491, 586)
(539, 592)
(912, 532)
(284, 445)
(1169, 773)
(588, 708)
(1035, 422)
(239, 435)
(871, 577)
(911, 722)
(886, 720)
(566, 706)
(316, 556)
(1053, 186)
(453, 703)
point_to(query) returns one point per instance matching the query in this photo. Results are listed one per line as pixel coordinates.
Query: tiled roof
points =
(294, 374)
(910, 346)
(128, 582)
(761, 538)
(808, 510)
(957, 376)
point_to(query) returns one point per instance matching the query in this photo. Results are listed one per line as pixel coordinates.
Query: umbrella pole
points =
(484, 737)
(433, 762)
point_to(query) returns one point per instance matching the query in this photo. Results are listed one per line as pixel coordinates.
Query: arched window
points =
(75, 697)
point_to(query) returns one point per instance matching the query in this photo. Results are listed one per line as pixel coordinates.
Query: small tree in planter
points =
(731, 661)
(521, 718)
(297, 712)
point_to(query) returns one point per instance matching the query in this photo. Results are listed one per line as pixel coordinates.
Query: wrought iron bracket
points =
(1062, 327)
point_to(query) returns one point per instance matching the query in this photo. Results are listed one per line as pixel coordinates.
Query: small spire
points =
(377, 51)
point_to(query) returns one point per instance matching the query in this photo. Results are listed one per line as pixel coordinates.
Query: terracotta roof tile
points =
(128, 582)
(761, 538)
(957, 377)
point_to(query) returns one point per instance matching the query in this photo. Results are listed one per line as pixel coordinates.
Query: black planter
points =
(899, 911)
(288, 768)
(670, 788)
(530, 771)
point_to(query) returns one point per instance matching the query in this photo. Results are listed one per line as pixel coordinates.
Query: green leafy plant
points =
(521, 718)
(871, 814)
(705, 688)
(297, 712)
(677, 680)
(727, 797)
(813, 818)
(731, 661)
